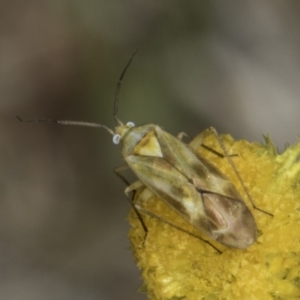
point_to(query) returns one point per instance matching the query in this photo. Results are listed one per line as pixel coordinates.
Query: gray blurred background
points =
(234, 65)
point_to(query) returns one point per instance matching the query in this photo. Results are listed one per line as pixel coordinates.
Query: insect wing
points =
(191, 186)
(203, 174)
(171, 186)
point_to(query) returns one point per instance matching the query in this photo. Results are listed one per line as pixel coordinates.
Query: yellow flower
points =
(177, 265)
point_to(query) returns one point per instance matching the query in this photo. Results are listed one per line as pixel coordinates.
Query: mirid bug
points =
(179, 176)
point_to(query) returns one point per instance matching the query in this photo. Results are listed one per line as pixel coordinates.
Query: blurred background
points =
(234, 65)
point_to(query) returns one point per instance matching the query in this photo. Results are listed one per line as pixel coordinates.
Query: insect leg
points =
(214, 131)
(118, 171)
(182, 134)
(152, 215)
(131, 188)
(198, 142)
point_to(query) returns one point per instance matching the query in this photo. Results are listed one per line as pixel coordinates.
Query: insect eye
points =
(130, 124)
(116, 139)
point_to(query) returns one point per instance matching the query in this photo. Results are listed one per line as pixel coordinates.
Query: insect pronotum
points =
(184, 180)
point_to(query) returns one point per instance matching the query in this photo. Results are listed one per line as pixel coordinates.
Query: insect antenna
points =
(68, 122)
(118, 90)
(91, 124)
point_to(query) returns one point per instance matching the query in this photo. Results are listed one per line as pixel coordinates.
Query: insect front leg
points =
(118, 171)
(131, 188)
(182, 134)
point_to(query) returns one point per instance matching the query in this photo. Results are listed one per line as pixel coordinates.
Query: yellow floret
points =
(176, 265)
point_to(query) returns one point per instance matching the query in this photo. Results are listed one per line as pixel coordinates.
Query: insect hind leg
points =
(199, 142)
(145, 195)
(214, 131)
(152, 215)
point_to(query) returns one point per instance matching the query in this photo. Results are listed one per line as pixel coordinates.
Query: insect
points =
(179, 176)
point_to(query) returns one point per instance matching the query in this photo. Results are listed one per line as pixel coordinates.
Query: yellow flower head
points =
(177, 265)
